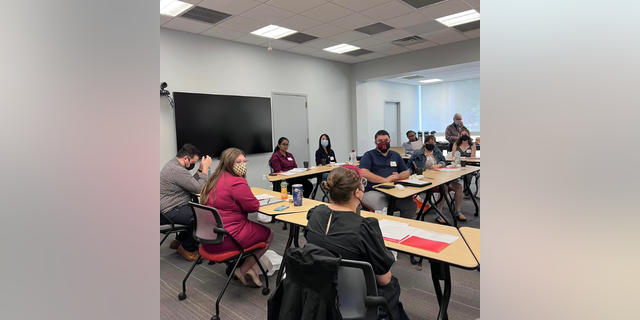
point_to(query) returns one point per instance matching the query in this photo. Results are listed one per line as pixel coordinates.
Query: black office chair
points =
(358, 292)
(169, 228)
(208, 229)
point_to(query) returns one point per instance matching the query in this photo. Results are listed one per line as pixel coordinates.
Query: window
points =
(440, 101)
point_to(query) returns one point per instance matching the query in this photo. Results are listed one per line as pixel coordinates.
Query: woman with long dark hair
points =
(282, 161)
(325, 152)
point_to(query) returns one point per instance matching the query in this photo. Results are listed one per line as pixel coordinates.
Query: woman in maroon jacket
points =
(282, 161)
(227, 191)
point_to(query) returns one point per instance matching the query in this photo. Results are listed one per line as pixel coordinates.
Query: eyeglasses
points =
(364, 182)
(285, 144)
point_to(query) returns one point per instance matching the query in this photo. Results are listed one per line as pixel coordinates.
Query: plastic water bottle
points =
(283, 190)
(352, 157)
(457, 158)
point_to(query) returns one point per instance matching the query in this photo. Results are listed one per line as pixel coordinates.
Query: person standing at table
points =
(227, 191)
(337, 227)
(177, 186)
(325, 152)
(282, 161)
(429, 158)
(408, 148)
(452, 133)
(382, 165)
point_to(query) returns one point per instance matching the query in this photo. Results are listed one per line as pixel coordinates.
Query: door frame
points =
(274, 142)
(399, 138)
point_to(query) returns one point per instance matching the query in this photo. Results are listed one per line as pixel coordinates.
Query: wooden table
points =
(307, 204)
(437, 179)
(311, 173)
(472, 238)
(456, 254)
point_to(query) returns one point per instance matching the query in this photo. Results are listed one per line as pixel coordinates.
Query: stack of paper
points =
(394, 231)
(402, 233)
(415, 182)
(264, 196)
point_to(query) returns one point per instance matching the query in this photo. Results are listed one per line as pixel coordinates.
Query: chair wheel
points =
(419, 268)
(215, 317)
(265, 291)
(284, 226)
(475, 214)
(211, 262)
(413, 261)
(199, 261)
(182, 296)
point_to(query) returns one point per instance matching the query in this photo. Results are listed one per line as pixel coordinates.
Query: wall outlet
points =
(264, 177)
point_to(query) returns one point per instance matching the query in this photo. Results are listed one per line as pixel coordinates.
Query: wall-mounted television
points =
(214, 123)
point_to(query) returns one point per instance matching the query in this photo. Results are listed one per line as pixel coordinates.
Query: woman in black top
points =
(324, 152)
(337, 227)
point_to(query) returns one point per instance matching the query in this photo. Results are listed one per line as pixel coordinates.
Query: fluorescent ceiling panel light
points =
(341, 48)
(459, 18)
(409, 75)
(430, 80)
(273, 32)
(173, 7)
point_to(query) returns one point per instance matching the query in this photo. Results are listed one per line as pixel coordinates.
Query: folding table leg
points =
(440, 271)
(281, 271)
(445, 196)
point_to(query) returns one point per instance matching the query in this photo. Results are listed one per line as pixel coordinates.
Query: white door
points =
(391, 122)
(289, 114)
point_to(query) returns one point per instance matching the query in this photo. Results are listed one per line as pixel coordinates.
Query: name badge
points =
(393, 164)
(332, 159)
(289, 159)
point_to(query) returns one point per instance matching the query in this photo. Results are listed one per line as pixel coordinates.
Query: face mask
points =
(324, 143)
(429, 146)
(457, 122)
(359, 208)
(464, 138)
(240, 169)
(191, 166)
(383, 146)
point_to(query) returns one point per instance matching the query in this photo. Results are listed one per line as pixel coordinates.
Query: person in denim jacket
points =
(434, 159)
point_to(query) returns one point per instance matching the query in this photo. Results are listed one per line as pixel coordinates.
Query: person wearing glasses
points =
(339, 227)
(282, 161)
(227, 191)
(382, 165)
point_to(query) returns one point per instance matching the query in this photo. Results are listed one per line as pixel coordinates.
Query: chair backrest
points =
(270, 166)
(356, 282)
(206, 219)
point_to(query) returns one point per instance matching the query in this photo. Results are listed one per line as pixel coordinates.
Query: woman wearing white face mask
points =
(227, 191)
(325, 152)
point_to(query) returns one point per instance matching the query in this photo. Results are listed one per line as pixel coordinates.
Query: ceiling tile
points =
(421, 3)
(324, 31)
(407, 20)
(448, 32)
(299, 23)
(322, 54)
(187, 25)
(455, 38)
(473, 34)
(359, 5)
(267, 13)
(347, 59)
(192, 1)
(327, 12)
(371, 56)
(445, 8)
(280, 44)
(348, 37)
(222, 33)
(242, 24)
(296, 6)
(383, 47)
(473, 25)
(393, 35)
(321, 43)
(421, 46)
(426, 27)
(473, 3)
(353, 21)
(252, 39)
(302, 49)
(387, 11)
(367, 42)
(397, 50)
(164, 19)
(229, 6)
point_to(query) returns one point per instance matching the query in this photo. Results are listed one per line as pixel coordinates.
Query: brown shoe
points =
(175, 244)
(191, 256)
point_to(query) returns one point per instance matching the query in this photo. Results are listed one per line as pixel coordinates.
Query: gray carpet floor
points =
(240, 302)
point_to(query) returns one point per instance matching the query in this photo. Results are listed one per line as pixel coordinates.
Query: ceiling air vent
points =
(411, 77)
(205, 15)
(408, 41)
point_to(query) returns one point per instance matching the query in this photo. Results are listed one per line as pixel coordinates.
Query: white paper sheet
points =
(298, 170)
(395, 230)
(449, 169)
(264, 196)
(416, 182)
(434, 236)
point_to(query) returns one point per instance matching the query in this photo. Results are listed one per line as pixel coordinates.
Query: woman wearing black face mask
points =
(337, 227)
(465, 144)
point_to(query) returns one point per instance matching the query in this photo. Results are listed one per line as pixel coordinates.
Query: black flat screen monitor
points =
(214, 123)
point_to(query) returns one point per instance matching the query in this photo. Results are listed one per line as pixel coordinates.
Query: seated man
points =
(177, 186)
(383, 165)
(408, 149)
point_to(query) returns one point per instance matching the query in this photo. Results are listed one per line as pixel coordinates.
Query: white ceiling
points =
(457, 72)
(333, 22)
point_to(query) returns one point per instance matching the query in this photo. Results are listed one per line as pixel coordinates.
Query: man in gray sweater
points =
(177, 186)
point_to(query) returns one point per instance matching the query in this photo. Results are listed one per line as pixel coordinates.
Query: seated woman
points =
(430, 157)
(339, 228)
(325, 152)
(227, 191)
(282, 161)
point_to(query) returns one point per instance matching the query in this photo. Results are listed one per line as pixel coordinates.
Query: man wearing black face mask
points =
(177, 186)
(383, 165)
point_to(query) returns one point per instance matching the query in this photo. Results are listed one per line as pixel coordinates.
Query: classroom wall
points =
(196, 63)
(371, 97)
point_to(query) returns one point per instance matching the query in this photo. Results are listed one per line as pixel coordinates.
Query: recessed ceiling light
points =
(459, 18)
(430, 80)
(273, 32)
(407, 76)
(173, 7)
(341, 48)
